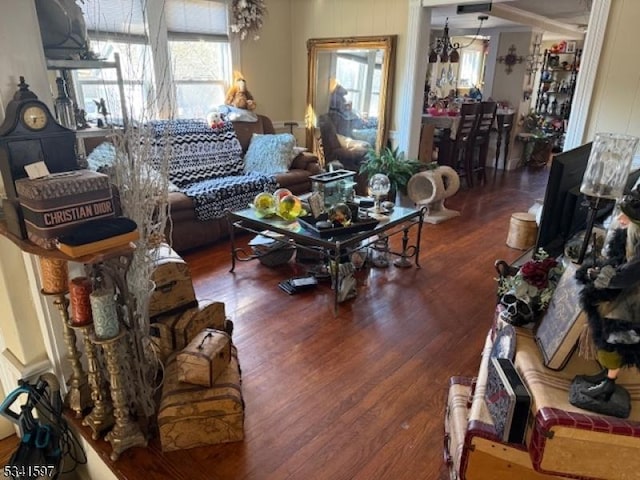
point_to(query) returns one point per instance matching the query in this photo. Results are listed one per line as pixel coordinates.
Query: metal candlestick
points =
(77, 398)
(126, 433)
(101, 416)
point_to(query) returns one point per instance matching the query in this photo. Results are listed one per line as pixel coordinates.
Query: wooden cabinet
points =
(555, 92)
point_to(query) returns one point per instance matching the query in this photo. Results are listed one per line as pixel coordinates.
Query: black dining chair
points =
(484, 122)
(461, 151)
(504, 124)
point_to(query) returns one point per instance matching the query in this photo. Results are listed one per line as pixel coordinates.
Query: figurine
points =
(102, 110)
(611, 299)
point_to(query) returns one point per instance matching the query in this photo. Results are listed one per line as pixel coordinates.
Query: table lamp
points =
(606, 174)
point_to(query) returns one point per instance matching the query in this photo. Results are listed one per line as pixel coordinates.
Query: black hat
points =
(630, 205)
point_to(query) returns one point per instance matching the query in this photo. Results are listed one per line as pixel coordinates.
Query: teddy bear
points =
(215, 120)
(238, 96)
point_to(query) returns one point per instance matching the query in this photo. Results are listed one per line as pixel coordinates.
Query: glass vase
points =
(64, 106)
(608, 167)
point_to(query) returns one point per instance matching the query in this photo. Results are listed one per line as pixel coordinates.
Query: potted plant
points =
(394, 165)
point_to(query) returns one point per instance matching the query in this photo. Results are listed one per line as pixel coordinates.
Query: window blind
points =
(115, 16)
(203, 17)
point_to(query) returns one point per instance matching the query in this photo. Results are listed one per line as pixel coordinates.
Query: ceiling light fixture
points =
(444, 50)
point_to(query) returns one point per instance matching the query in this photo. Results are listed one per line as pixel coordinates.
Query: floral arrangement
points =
(533, 285)
(247, 17)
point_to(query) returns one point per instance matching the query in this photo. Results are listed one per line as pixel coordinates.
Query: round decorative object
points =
(35, 117)
(340, 215)
(289, 208)
(379, 185)
(430, 188)
(265, 204)
(281, 193)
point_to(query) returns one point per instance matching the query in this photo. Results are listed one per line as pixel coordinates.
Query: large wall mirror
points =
(349, 90)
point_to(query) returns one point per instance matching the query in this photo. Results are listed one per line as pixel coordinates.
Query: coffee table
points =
(333, 248)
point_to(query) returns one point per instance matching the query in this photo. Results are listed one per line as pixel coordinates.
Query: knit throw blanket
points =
(206, 164)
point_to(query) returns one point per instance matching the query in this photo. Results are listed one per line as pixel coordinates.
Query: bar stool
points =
(504, 123)
(461, 155)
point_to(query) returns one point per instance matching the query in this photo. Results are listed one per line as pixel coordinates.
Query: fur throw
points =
(599, 302)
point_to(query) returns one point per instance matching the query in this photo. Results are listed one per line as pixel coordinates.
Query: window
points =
(200, 72)
(470, 68)
(196, 53)
(362, 82)
(137, 75)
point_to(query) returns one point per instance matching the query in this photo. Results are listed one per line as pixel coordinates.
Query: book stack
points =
(271, 251)
(97, 236)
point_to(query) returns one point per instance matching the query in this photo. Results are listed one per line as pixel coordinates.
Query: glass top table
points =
(333, 244)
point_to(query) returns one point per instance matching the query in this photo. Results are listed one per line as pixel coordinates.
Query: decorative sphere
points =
(340, 215)
(265, 204)
(281, 193)
(289, 208)
(379, 185)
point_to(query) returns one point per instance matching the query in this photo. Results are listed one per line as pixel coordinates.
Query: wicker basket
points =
(275, 257)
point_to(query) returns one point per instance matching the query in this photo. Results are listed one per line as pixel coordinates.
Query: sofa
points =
(186, 231)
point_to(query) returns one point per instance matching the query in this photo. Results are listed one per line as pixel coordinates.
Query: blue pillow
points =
(269, 153)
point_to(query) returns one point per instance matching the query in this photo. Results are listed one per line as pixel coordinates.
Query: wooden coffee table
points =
(400, 220)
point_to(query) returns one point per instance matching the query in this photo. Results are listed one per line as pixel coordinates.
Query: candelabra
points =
(126, 433)
(77, 398)
(101, 416)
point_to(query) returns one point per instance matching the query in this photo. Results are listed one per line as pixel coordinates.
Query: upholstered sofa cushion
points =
(198, 151)
(269, 153)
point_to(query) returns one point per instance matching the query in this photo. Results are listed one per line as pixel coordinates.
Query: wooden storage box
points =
(569, 441)
(173, 289)
(58, 203)
(473, 450)
(174, 331)
(205, 358)
(191, 416)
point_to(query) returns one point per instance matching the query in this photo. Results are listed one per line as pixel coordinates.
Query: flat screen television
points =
(564, 211)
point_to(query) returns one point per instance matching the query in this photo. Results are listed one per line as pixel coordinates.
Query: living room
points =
(276, 67)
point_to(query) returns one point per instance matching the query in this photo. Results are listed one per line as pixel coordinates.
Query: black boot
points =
(596, 378)
(601, 391)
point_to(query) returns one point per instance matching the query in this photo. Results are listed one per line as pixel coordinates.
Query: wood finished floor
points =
(360, 395)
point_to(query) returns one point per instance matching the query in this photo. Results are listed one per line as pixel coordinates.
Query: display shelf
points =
(555, 91)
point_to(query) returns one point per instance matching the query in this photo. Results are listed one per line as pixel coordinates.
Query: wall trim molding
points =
(589, 61)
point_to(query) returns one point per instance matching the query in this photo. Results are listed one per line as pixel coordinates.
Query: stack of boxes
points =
(201, 401)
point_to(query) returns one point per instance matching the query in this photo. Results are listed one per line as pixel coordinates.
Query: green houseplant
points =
(394, 165)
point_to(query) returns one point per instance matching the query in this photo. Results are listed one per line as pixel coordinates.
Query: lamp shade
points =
(608, 166)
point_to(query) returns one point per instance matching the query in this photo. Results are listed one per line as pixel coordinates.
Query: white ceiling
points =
(557, 18)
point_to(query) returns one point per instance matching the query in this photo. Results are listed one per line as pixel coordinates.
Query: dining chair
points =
(484, 122)
(504, 123)
(460, 155)
(425, 150)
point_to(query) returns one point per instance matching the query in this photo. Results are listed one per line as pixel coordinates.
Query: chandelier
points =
(444, 50)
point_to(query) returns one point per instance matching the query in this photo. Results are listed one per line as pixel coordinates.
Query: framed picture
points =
(571, 47)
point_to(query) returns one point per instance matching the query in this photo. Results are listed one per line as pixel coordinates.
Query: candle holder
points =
(126, 432)
(101, 416)
(77, 397)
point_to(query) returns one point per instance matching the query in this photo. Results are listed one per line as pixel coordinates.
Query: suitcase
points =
(192, 416)
(173, 289)
(205, 358)
(173, 332)
(473, 450)
(58, 203)
(566, 440)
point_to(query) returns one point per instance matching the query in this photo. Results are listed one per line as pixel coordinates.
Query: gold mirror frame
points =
(316, 46)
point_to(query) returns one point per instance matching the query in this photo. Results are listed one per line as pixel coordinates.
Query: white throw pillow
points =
(269, 153)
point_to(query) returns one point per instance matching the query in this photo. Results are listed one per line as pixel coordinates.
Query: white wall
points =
(615, 105)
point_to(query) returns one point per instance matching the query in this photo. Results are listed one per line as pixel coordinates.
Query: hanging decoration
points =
(247, 17)
(510, 59)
